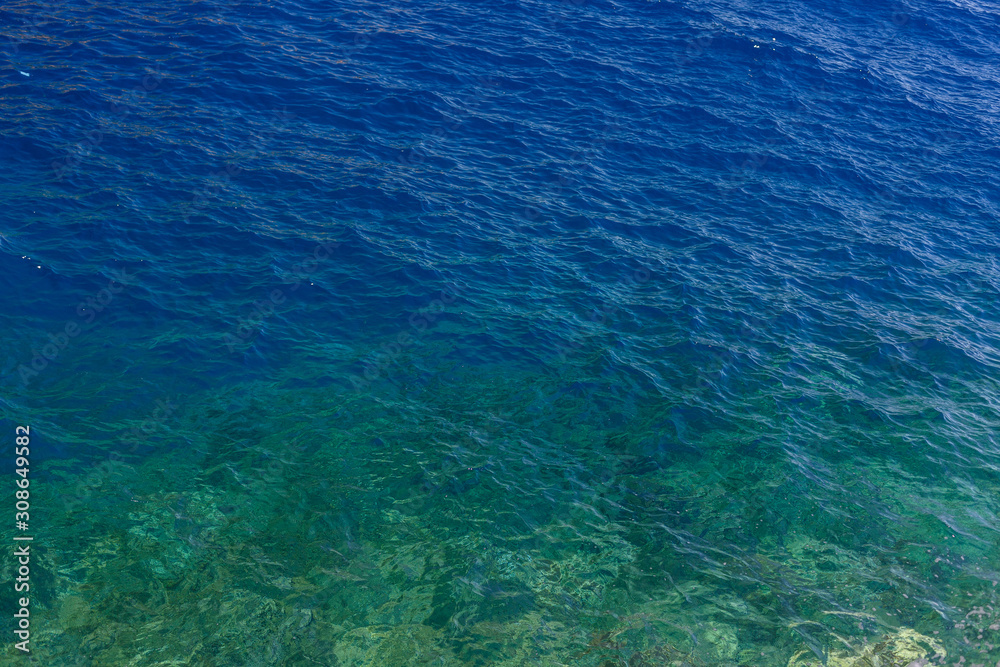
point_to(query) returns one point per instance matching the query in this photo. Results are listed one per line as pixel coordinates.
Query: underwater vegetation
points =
(460, 539)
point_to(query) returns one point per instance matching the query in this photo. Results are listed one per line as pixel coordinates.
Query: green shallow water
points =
(503, 517)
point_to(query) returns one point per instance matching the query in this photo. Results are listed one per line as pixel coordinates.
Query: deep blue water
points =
(589, 333)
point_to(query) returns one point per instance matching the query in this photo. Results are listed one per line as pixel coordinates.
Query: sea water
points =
(508, 333)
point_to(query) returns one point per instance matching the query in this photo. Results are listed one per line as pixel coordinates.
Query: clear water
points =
(505, 333)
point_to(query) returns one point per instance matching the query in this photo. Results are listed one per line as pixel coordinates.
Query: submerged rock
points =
(905, 648)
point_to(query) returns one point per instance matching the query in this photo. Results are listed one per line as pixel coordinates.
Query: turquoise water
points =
(611, 334)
